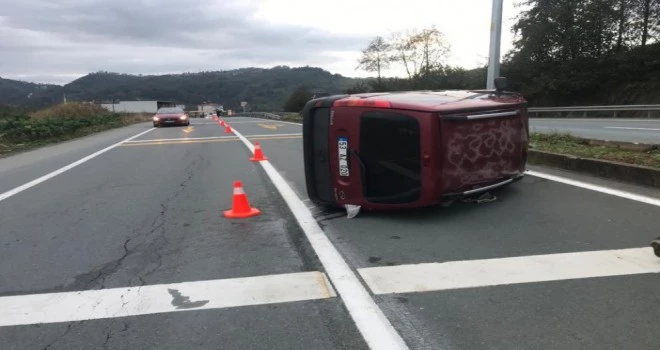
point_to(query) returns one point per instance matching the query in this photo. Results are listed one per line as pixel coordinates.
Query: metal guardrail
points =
(586, 109)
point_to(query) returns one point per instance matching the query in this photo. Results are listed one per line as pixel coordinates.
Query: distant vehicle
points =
(383, 151)
(170, 116)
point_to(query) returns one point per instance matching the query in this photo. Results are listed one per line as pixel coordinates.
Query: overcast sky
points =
(56, 41)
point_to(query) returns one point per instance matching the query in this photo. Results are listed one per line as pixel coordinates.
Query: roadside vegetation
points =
(291, 117)
(565, 52)
(644, 155)
(23, 129)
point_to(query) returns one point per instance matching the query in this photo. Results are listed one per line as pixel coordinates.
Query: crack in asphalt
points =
(107, 340)
(68, 329)
(109, 335)
(101, 273)
(156, 245)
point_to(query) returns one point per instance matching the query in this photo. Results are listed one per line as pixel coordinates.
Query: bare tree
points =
(433, 48)
(403, 51)
(376, 57)
(420, 52)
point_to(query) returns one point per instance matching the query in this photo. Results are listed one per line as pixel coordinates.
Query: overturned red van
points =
(382, 151)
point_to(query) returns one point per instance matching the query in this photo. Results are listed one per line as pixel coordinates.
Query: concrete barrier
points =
(633, 174)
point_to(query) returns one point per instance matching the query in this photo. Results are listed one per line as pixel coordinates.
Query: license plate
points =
(169, 121)
(342, 145)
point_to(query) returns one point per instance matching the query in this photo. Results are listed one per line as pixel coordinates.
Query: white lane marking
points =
(626, 128)
(602, 189)
(187, 296)
(210, 138)
(559, 120)
(376, 329)
(512, 270)
(51, 175)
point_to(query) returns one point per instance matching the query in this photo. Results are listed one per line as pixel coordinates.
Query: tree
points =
(420, 52)
(562, 30)
(646, 21)
(597, 26)
(623, 18)
(297, 99)
(433, 49)
(376, 57)
(404, 52)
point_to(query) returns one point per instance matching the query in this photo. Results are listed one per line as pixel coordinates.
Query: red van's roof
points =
(443, 100)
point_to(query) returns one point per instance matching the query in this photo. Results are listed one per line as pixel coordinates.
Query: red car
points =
(170, 116)
(411, 149)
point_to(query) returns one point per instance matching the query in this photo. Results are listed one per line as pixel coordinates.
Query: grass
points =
(291, 117)
(22, 130)
(571, 145)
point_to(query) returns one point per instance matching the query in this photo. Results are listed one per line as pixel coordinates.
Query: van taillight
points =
(360, 102)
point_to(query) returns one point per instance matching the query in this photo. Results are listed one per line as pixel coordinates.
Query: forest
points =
(565, 52)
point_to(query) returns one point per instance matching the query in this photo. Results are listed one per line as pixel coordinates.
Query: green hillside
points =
(263, 89)
(20, 93)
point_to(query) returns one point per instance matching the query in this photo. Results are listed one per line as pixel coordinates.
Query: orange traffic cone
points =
(227, 129)
(258, 153)
(240, 207)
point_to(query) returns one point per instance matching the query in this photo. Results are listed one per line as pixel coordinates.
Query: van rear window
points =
(390, 155)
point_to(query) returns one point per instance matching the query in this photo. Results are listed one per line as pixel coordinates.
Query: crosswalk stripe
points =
(512, 270)
(153, 299)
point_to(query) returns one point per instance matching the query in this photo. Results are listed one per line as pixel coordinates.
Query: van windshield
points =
(390, 151)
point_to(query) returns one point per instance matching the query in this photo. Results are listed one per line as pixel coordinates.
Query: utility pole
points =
(495, 41)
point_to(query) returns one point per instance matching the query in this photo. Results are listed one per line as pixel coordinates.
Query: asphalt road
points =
(145, 216)
(627, 130)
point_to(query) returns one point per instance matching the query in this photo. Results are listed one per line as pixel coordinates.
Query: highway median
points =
(634, 163)
(22, 130)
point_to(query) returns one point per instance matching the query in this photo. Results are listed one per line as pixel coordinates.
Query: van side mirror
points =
(500, 84)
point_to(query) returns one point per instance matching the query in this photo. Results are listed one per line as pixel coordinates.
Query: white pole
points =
(495, 39)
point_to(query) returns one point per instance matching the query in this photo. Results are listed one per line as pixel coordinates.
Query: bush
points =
(72, 110)
(60, 122)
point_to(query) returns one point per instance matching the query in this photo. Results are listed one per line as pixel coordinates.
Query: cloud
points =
(56, 40)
